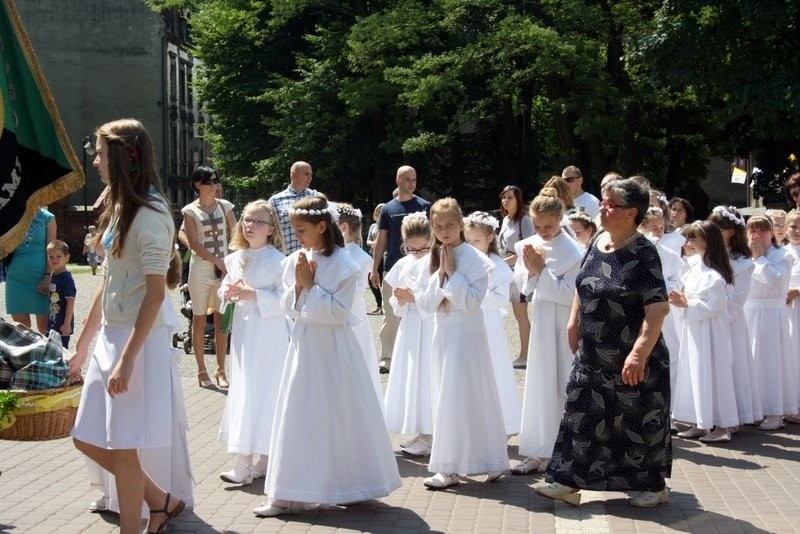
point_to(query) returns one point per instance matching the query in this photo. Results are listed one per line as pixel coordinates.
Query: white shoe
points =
(718, 435)
(772, 422)
(650, 499)
(554, 490)
(410, 442)
(692, 433)
(418, 448)
(100, 505)
(441, 480)
(531, 464)
(270, 510)
(241, 474)
(493, 476)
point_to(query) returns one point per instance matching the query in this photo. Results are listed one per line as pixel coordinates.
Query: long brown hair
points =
(333, 236)
(716, 255)
(738, 243)
(132, 175)
(520, 211)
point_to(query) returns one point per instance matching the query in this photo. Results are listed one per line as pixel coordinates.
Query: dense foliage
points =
(479, 93)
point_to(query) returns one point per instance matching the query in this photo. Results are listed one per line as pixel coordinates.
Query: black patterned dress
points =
(615, 437)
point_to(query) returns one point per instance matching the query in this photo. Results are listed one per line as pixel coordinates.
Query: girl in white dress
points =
(469, 436)
(672, 265)
(748, 400)
(329, 441)
(350, 225)
(408, 394)
(792, 300)
(126, 404)
(766, 315)
(259, 339)
(479, 229)
(546, 270)
(704, 393)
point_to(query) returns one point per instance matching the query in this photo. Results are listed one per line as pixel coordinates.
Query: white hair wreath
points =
(482, 219)
(330, 209)
(347, 210)
(729, 214)
(416, 215)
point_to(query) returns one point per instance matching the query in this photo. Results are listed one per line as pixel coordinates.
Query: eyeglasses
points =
(612, 206)
(423, 250)
(209, 181)
(570, 179)
(258, 222)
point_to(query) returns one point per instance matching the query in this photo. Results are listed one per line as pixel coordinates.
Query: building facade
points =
(109, 59)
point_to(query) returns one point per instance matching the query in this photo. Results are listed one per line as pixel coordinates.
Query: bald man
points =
(389, 240)
(300, 175)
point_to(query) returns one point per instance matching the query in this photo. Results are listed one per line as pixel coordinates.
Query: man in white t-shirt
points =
(583, 200)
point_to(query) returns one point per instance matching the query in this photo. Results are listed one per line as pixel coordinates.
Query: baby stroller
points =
(184, 339)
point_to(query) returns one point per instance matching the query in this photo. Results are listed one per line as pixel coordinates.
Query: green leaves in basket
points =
(9, 401)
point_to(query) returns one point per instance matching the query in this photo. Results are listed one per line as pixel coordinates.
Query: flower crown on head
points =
(662, 198)
(347, 210)
(655, 210)
(483, 219)
(330, 209)
(730, 214)
(416, 215)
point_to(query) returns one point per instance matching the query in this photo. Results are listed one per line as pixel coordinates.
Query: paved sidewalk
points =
(749, 485)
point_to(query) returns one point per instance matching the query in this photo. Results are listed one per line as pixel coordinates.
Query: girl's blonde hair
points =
(416, 225)
(445, 206)
(547, 202)
(238, 242)
(475, 221)
(562, 191)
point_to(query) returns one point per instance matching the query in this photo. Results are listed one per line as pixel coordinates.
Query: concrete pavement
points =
(749, 485)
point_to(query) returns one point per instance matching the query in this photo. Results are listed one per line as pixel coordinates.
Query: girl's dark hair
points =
(764, 223)
(687, 207)
(202, 173)
(716, 255)
(318, 203)
(792, 182)
(738, 245)
(447, 205)
(520, 211)
(632, 194)
(132, 175)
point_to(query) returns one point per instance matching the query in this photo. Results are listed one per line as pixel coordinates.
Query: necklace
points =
(618, 246)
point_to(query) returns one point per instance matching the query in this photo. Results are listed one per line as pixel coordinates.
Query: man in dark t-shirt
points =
(389, 241)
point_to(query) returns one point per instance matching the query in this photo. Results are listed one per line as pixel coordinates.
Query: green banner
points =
(37, 163)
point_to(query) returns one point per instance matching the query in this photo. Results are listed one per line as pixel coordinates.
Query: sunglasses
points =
(209, 181)
(510, 188)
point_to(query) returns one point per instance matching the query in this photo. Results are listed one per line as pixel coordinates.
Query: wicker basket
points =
(44, 425)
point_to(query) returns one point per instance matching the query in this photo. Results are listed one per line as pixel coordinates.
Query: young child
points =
(704, 393)
(350, 225)
(408, 405)
(765, 313)
(792, 300)
(259, 339)
(673, 267)
(583, 228)
(546, 268)
(329, 442)
(479, 229)
(748, 399)
(62, 290)
(672, 238)
(778, 218)
(469, 436)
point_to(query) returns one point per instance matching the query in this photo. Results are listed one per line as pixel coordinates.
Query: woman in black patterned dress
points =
(614, 435)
